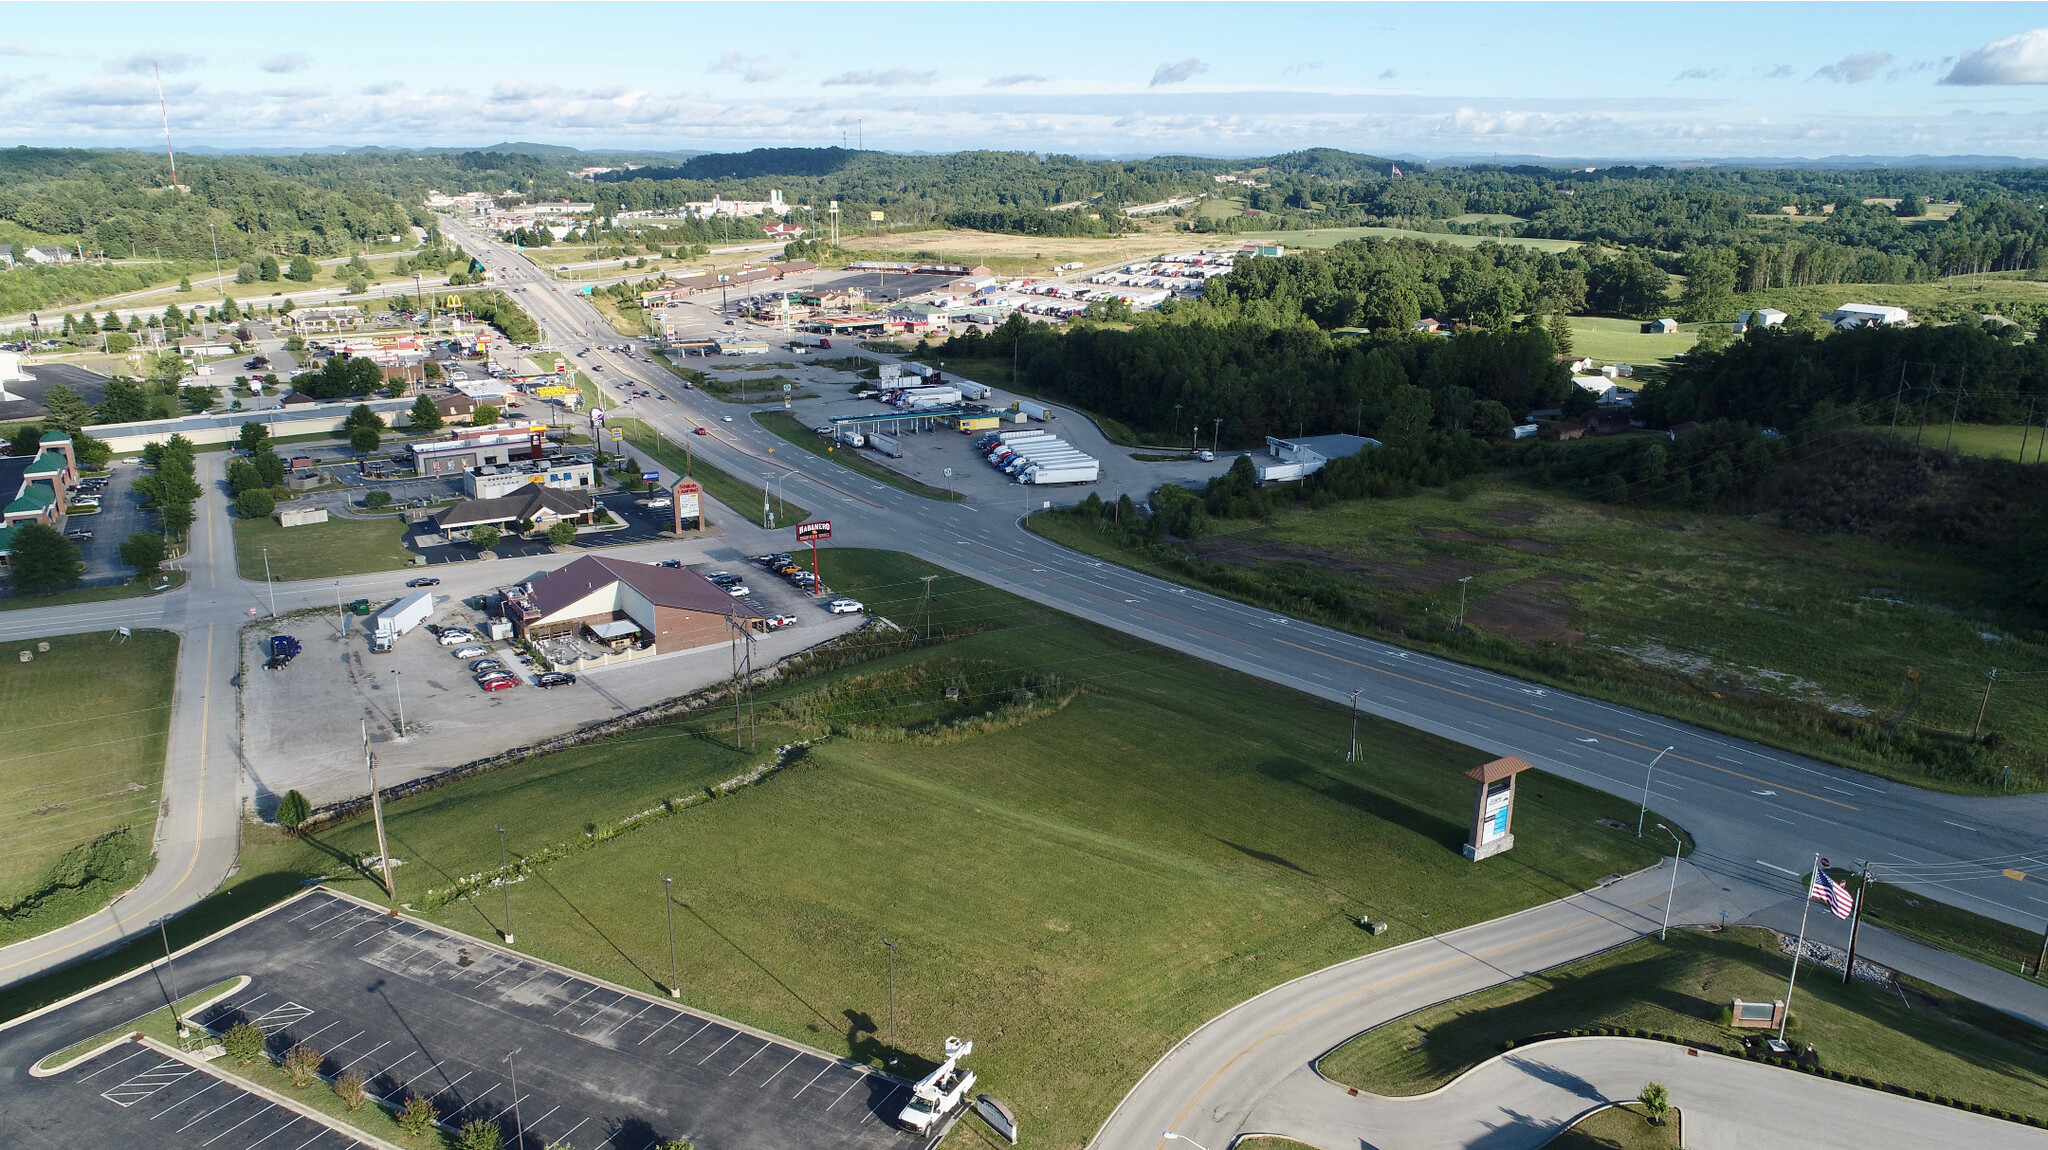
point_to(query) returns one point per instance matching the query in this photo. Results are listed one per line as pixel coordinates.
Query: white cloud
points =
(1175, 73)
(2021, 59)
(750, 69)
(893, 78)
(286, 62)
(1854, 69)
(20, 48)
(1699, 74)
(381, 87)
(143, 63)
(1781, 72)
(1014, 79)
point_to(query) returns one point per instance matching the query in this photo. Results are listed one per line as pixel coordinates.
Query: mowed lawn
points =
(1075, 892)
(1713, 618)
(320, 550)
(1990, 440)
(1606, 340)
(84, 726)
(1924, 1040)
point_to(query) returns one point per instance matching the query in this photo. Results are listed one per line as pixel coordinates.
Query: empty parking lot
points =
(417, 1010)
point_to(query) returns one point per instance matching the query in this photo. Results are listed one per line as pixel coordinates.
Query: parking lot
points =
(303, 725)
(414, 1009)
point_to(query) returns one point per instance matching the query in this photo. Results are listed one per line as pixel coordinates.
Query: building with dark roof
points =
(33, 489)
(536, 504)
(673, 608)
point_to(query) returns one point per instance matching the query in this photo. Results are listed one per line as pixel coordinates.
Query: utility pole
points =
(1978, 727)
(505, 880)
(668, 897)
(267, 583)
(176, 998)
(1461, 601)
(1644, 809)
(925, 608)
(891, 1001)
(1216, 435)
(2044, 953)
(1353, 756)
(377, 810)
(1856, 924)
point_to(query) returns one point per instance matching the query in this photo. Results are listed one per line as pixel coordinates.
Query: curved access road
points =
(1523, 1099)
(1251, 1070)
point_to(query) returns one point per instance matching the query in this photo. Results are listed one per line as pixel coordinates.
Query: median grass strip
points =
(158, 1024)
(85, 724)
(1996, 944)
(792, 429)
(1916, 1036)
(1623, 1127)
(743, 497)
(1127, 842)
(320, 550)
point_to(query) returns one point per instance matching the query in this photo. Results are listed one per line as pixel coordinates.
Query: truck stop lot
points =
(416, 1009)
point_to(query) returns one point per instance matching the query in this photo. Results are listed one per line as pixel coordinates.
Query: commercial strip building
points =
(671, 608)
(472, 447)
(36, 488)
(309, 417)
(562, 472)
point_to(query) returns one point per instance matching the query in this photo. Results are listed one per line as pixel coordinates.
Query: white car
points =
(472, 652)
(450, 637)
(845, 607)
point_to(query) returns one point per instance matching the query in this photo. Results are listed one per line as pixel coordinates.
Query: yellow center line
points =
(1568, 726)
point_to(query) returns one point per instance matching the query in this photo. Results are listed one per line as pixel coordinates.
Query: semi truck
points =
(399, 618)
(939, 1093)
(1087, 472)
(886, 444)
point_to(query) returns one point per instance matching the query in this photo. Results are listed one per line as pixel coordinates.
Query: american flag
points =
(1396, 167)
(1834, 894)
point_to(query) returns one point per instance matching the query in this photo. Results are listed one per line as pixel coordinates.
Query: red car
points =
(702, 431)
(496, 682)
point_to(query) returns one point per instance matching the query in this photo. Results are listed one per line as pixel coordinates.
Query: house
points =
(669, 608)
(34, 487)
(536, 506)
(1761, 317)
(1432, 326)
(1660, 327)
(455, 407)
(1603, 388)
(1305, 456)
(1862, 314)
(49, 255)
(1618, 371)
(196, 347)
(782, 231)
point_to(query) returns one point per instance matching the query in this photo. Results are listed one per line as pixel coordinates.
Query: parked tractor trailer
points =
(399, 618)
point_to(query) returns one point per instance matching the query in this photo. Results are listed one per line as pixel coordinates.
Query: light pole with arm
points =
(505, 880)
(668, 896)
(1677, 847)
(892, 1000)
(1461, 601)
(1644, 808)
(1184, 1138)
(398, 682)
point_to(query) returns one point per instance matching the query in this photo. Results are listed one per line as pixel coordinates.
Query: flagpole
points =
(1797, 950)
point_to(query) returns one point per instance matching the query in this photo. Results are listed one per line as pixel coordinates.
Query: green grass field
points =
(789, 427)
(1075, 882)
(1606, 340)
(320, 550)
(85, 725)
(1331, 237)
(743, 497)
(1990, 440)
(1623, 1127)
(1927, 1040)
(145, 585)
(1732, 623)
(1943, 301)
(1500, 218)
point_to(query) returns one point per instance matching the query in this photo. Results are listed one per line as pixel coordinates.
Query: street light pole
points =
(1184, 1138)
(504, 880)
(173, 976)
(668, 897)
(1353, 757)
(892, 1000)
(518, 1127)
(1644, 808)
(1461, 601)
(1676, 847)
(398, 681)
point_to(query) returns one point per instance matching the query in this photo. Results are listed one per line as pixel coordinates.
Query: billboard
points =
(687, 495)
(811, 532)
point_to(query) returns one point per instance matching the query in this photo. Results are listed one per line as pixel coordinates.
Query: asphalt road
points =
(1757, 812)
(416, 1010)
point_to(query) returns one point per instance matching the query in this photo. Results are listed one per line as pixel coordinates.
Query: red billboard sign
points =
(811, 532)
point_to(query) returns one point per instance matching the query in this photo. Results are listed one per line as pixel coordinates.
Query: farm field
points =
(1607, 340)
(1918, 1037)
(320, 550)
(1736, 624)
(1127, 841)
(1942, 301)
(1990, 440)
(85, 725)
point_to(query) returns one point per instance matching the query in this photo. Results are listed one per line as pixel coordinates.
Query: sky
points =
(1610, 81)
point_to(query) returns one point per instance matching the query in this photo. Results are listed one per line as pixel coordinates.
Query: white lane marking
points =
(1837, 790)
(1787, 822)
(716, 1049)
(139, 1052)
(857, 1080)
(779, 1070)
(290, 1122)
(879, 1107)
(692, 1038)
(1956, 824)
(659, 1029)
(181, 1102)
(208, 1114)
(1766, 794)
(1776, 867)
(750, 1058)
(814, 1080)
(237, 1126)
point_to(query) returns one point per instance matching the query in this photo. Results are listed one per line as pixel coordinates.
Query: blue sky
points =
(1655, 81)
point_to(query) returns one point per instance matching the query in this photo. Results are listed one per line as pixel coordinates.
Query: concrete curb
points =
(344, 1129)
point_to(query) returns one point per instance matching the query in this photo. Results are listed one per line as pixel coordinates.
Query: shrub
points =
(1656, 1102)
(477, 1134)
(302, 1064)
(377, 499)
(485, 537)
(417, 1116)
(350, 1089)
(243, 1043)
(255, 503)
(562, 534)
(292, 810)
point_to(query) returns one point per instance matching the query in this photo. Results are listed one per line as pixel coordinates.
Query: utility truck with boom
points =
(941, 1092)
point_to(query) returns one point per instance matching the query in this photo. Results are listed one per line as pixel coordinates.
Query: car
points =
(725, 419)
(81, 536)
(737, 590)
(778, 622)
(670, 563)
(482, 665)
(597, 367)
(723, 577)
(701, 431)
(823, 429)
(450, 637)
(845, 607)
(728, 323)
(471, 652)
(505, 683)
(551, 679)
(428, 581)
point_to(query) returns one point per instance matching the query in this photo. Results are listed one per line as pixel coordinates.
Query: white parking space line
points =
(635, 1018)
(719, 1047)
(147, 1083)
(813, 1081)
(139, 1052)
(779, 1070)
(692, 1038)
(564, 1139)
(659, 1029)
(857, 1080)
(881, 1106)
(182, 1101)
(366, 1054)
(210, 1113)
(750, 1058)
(577, 999)
(268, 1107)
(290, 1122)
(472, 1102)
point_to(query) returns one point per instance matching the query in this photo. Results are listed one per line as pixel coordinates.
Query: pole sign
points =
(650, 477)
(687, 497)
(812, 532)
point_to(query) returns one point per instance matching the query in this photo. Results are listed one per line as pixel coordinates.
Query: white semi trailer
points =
(399, 618)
